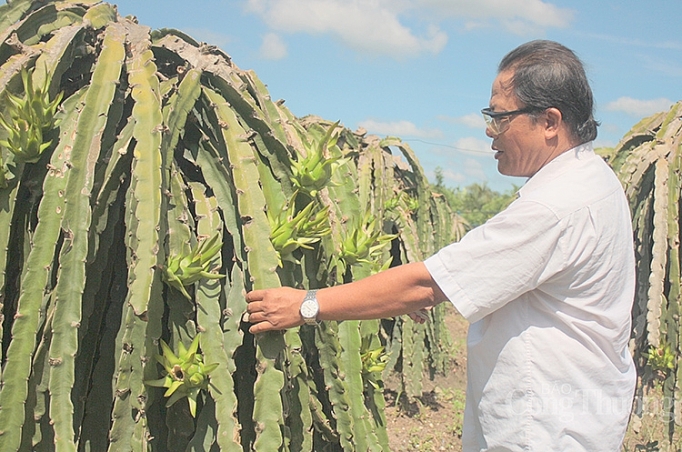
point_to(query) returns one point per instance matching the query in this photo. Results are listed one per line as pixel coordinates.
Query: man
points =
(547, 284)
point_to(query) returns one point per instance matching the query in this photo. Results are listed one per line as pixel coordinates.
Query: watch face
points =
(309, 309)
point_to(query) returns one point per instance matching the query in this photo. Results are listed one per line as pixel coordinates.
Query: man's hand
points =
(274, 309)
(420, 316)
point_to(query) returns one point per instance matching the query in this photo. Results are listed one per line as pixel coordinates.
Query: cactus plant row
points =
(147, 183)
(648, 161)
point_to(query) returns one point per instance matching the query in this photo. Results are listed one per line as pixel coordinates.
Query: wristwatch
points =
(310, 308)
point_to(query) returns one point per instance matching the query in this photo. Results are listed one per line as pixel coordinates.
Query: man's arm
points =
(399, 290)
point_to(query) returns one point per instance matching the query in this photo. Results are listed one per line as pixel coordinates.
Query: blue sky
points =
(422, 69)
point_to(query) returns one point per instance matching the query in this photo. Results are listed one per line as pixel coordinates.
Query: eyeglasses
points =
(498, 121)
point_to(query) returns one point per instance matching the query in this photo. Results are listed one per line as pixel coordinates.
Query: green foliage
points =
(292, 230)
(186, 373)
(28, 118)
(185, 269)
(363, 244)
(373, 364)
(313, 171)
(476, 203)
(661, 359)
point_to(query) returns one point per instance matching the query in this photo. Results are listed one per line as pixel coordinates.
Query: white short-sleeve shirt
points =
(548, 286)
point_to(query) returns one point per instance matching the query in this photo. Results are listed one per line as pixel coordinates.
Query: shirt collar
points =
(556, 166)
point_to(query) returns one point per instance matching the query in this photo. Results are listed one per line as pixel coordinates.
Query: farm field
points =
(433, 422)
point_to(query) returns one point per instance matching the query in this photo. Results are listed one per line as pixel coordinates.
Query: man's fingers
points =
(254, 295)
(420, 316)
(262, 327)
(256, 317)
(256, 312)
(273, 309)
(254, 306)
(416, 318)
(259, 328)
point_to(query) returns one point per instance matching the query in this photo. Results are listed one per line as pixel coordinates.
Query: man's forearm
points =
(399, 290)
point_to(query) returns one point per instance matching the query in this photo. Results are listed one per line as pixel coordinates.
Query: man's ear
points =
(552, 122)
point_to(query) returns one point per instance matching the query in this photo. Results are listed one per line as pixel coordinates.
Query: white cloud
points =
(399, 128)
(453, 177)
(471, 171)
(273, 48)
(473, 145)
(639, 108)
(384, 27)
(472, 120)
(516, 16)
(368, 26)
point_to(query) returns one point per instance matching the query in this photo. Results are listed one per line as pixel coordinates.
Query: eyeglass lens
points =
(496, 125)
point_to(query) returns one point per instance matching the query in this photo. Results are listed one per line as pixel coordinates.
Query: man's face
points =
(521, 148)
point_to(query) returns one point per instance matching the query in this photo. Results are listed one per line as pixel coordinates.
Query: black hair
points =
(547, 74)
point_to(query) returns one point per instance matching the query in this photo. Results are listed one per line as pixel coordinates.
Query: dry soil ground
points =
(434, 421)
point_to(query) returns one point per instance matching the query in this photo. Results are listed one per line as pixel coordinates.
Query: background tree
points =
(476, 203)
